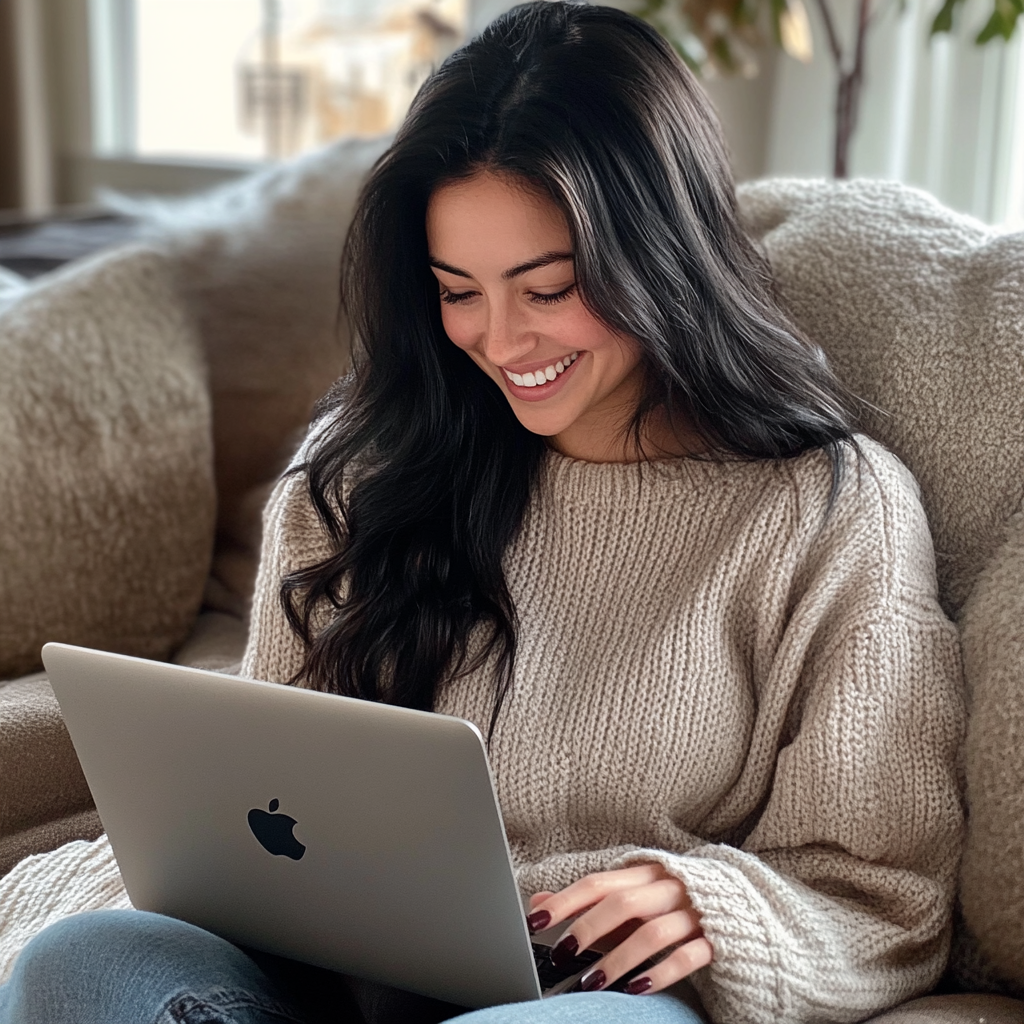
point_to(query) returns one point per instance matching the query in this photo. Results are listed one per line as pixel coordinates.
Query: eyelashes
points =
(454, 298)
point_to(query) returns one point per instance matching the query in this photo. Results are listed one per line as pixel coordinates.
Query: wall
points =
(941, 114)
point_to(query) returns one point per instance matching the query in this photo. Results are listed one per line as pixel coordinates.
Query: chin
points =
(546, 425)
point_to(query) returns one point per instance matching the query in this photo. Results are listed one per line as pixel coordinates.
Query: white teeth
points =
(537, 377)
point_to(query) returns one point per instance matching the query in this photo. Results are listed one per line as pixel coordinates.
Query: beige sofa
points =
(162, 386)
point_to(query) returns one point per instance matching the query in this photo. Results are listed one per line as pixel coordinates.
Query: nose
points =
(506, 338)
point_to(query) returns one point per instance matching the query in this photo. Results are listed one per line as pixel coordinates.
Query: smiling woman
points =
(589, 488)
(518, 315)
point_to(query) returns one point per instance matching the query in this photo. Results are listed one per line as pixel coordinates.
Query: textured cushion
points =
(955, 1009)
(992, 887)
(50, 835)
(42, 780)
(921, 311)
(106, 487)
(258, 265)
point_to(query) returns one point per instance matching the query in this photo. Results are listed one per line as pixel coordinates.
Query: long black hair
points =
(590, 107)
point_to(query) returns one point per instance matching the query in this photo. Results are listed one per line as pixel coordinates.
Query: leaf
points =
(1002, 22)
(943, 21)
(778, 9)
(722, 53)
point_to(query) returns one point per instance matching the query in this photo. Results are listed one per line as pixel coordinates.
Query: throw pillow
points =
(257, 264)
(106, 485)
(921, 312)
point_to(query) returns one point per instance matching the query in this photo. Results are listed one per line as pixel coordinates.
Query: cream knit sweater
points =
(708, 679)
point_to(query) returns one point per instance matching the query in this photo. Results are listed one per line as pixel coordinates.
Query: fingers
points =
(638, 903)
(647, 942)
(539, 897)
(658, 900)
(680, 963)
(576, 898)
(644, 910)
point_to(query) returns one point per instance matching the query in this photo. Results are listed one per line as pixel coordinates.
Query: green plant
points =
(725, 35)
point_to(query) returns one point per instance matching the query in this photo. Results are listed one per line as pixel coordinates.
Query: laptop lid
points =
(355, 836)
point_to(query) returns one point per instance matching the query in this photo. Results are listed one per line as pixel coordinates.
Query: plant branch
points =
(830, 30)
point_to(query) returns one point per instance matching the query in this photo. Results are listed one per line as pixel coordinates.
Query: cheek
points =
(458, 325)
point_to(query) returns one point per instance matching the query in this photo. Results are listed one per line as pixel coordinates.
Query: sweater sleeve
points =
(292, 539)
(837, 902)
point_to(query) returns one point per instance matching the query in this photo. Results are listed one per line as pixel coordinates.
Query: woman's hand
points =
(645, 904)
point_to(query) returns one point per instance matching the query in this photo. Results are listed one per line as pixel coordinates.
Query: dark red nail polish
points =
(638, 985)
(564, 950)
(593, 980)
(538, 920)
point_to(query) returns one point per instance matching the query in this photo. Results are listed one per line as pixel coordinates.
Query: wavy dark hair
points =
(589, 106)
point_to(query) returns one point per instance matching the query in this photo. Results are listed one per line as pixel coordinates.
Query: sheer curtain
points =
(26, 180)
(945, 115)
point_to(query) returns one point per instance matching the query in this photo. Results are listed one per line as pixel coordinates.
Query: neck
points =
(661, 437)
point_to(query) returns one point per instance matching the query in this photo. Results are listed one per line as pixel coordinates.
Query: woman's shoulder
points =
(876, 520)
(873, 482)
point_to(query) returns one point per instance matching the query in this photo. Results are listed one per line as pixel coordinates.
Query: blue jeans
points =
(131, 967)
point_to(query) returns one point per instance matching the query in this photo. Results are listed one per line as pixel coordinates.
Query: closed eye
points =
(453, 297)
(540, 298)
(547, 300)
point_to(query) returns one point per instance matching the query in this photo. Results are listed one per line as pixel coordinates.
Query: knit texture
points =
(711, 677)
(80, 876)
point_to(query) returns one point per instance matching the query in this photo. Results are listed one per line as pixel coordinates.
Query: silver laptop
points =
(355, 836)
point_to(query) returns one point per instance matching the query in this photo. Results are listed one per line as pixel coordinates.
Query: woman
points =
(589, 488)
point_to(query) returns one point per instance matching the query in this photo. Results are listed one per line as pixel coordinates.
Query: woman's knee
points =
(122, 937)
(125, 965)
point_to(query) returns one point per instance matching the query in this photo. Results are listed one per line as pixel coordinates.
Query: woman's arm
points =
(292, 538)
(836, 903)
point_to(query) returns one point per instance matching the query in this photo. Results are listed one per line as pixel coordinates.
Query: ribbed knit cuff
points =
(743, 982)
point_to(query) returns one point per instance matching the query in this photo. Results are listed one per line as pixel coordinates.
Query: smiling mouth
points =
(538, 378)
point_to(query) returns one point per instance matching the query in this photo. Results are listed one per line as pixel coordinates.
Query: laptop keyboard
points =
(550, 975)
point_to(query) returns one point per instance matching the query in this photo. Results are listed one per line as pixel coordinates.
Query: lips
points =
(543, 376)
(552, 379)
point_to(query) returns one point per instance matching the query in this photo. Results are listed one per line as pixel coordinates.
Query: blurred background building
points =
(167, 96)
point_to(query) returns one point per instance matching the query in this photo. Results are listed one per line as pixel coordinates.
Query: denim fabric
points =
(128, 967)
(131, 967)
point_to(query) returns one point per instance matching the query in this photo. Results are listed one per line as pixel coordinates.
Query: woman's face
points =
(503, 259)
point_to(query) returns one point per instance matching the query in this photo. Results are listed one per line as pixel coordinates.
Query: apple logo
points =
(274, 832)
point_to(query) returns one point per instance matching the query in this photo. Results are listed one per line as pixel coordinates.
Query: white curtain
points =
(945, 115)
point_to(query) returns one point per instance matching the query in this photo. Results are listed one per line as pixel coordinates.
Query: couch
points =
(159, 388)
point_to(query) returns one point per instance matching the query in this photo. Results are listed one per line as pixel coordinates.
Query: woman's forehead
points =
(493, 219)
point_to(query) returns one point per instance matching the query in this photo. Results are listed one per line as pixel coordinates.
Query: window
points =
(247, 80)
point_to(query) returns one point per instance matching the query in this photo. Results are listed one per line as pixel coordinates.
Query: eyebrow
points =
(544, 260)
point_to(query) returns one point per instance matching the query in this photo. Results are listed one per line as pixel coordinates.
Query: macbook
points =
(355, 836)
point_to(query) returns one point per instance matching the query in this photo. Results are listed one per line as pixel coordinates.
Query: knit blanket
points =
(44, 888)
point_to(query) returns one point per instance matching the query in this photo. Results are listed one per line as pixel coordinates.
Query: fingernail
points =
(638, 986)
(538, 920)
(564, 950)
(593, 980)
